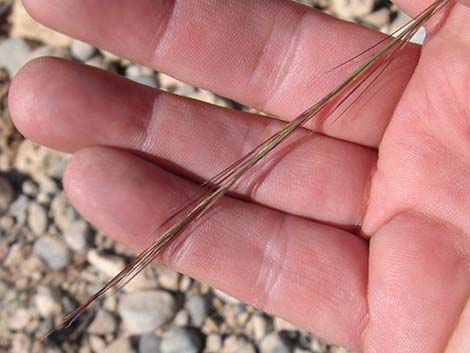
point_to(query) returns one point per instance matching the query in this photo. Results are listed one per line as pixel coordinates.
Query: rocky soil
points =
(52, 259)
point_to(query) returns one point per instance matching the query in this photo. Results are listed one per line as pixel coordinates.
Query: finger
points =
(310, 274)
(419, 272)
(68, 106)
(460, 341)
(465, 2)
(272, 55)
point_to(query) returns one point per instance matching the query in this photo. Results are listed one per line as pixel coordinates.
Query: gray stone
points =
(53, 251)
(20, 343)
(273, 343)
(48, 185)
(14, 53)
(103, 323)
(135, 70)
(237, 344)
(19, 209)
(145, 80)
(45, 50)
(82, 51)
(30, 188)
(77, 236)
(150, 343)
(45, 301)
(19, 320)
(181, 340)
(420, 36)
(121, 345)
(62, 212)
(37, 161)
(181, 318)
(198, 308)
(6, 195)
(144, 312)
(37, 218)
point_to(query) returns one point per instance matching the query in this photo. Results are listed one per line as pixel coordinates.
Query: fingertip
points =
(43, 100)
(71, 180)
(22, 97)
(34, 8)
(86, 170)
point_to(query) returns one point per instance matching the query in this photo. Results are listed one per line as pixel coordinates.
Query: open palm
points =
(395, 169)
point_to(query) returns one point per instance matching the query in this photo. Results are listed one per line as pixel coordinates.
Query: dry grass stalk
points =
(362, 78)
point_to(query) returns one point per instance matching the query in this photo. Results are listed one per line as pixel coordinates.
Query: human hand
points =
(396, 171)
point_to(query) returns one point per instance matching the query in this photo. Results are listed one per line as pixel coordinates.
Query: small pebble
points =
(283, 325)
(213, 343)
(150, 343)
(37, 218)
(6, 195)
(185, 283)
(19, 209)
(169, 279)
(103, 323)
(145, 80)
(260, 327)
(274, 344)
(45, 302)
(135, 70)
(53, 251)
(46, 50)
(169, 83)
(20, 343)
(237, 344)
(181, 318)
(121, 345)
(82, 51)
(43, 198)
(97, 344)
(98, 62)
(77, 236)
(420, 36)
(30, 188)
(300, 350)
(14, 53)
(62, 212)
(144, 312)
(198, 308)
(109, 265)
(19, 320)
(181, 340)
(48, 185)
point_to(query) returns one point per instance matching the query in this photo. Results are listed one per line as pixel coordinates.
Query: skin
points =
(361, 234)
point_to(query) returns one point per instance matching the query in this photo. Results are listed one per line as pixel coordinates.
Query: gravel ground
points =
(52, 259)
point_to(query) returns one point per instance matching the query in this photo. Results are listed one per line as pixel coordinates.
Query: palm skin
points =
(396, 171)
